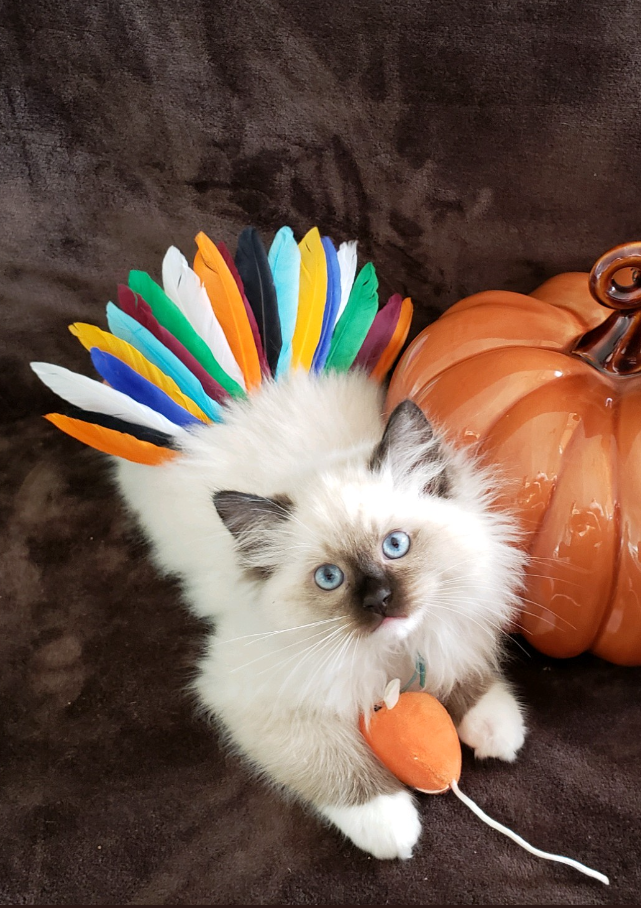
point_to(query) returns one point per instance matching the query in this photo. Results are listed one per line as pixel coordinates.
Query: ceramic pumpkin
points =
(548, 387)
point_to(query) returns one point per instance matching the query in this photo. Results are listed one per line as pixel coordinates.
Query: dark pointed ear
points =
(252, 520)
(410, 448)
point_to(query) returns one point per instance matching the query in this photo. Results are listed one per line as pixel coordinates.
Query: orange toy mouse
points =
(427, 762)
(413, 735)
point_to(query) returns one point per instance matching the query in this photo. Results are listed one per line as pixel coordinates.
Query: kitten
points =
(330, 552)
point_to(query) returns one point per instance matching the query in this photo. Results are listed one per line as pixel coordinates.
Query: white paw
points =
(387, 826)
(494, 726)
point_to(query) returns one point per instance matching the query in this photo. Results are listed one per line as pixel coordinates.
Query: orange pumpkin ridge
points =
(549, 387)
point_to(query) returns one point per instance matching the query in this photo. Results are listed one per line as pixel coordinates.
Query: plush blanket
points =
(468, 146)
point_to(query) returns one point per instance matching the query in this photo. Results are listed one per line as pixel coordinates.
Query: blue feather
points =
(123, 378)
(128, 329)
(284, 260)
(331, 304)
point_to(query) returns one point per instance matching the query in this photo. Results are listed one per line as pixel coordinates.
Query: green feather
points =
(171, 318)
(356, 320)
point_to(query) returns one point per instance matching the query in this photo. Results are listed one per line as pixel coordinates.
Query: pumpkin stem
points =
(615, 345)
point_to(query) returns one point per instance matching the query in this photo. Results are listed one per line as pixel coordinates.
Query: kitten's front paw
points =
(387, 826)
(494, 726)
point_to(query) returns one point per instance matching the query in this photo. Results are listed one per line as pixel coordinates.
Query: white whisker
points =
(317, 647)
(286, 630)
(334, 651)
(282, 649)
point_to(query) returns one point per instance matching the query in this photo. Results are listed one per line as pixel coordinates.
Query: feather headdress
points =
(176, 354)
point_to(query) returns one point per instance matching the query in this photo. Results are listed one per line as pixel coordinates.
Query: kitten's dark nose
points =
(377, 599)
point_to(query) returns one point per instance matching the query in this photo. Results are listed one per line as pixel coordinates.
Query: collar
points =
(419, 672)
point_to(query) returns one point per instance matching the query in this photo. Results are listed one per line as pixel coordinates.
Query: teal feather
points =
(284, 260)
(128, 329)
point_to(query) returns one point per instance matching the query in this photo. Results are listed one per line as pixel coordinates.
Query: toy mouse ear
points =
(409, 446)
(252, 520)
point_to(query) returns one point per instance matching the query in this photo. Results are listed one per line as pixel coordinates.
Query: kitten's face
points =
(368, 547)
(366, 575)
(358, 552)
(370, 576)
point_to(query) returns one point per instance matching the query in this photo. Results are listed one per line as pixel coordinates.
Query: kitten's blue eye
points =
(396, 544)
(328, 576)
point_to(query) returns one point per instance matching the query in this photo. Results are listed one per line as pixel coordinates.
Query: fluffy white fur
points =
(387, 826)
(494, 725)
(286, 673)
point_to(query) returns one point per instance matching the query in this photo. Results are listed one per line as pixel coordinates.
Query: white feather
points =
(95, 396)
(183, 287)
(347, 264)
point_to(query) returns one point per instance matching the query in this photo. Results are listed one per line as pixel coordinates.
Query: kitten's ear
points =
(410, 448)
(252, 519)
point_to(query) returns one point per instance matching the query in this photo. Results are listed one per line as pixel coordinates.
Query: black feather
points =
(253, 267)
(142, 433)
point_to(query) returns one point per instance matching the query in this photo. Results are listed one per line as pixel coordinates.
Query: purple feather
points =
(135, 306)
(123, 378)
(380, 334)
(332, 303)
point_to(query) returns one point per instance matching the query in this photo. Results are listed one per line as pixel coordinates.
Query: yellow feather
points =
(311, 299)
(91, 336)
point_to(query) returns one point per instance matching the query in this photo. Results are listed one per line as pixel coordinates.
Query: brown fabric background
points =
(468, 146)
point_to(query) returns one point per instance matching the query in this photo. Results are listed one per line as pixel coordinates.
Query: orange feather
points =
(111, 442)
(91, 336)
(228, 306)
(399, 337)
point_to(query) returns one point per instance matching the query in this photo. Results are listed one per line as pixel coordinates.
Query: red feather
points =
(399, 337)
(380, 334)
(135, 306)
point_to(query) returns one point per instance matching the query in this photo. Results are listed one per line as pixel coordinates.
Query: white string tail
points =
(519, 841)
